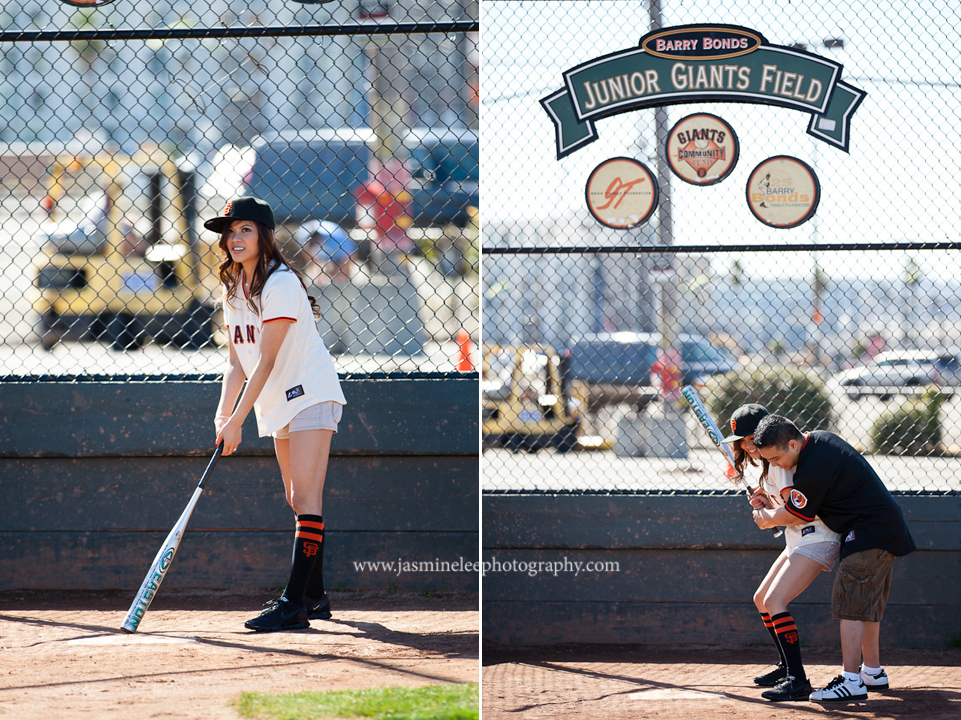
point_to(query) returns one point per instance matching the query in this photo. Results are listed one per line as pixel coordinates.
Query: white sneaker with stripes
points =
(840, 690)
(874, 683)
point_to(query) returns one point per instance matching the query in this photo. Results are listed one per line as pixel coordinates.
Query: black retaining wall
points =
(94, 475)
(688, 567)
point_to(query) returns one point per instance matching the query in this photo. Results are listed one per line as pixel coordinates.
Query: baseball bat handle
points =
(211, 465)
(777, 532)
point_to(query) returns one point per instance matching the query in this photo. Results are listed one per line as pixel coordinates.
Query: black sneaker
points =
(790, 688)
(318, 609)
(772, 678)
(279, 615)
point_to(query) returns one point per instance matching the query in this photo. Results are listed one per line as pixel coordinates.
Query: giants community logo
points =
(701, 149)
(702, 63)
(621, 193)
(783, 192)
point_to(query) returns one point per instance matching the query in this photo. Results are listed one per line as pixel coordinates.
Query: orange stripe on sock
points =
(310, 524)
(784, 624)
(310, 536)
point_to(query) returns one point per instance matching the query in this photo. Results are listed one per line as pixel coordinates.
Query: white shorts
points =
(826, 553)
(322, 416)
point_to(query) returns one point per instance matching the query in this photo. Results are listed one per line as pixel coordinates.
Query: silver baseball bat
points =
(713, 432)
(161, 563)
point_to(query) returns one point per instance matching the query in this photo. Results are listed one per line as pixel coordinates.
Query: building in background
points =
(194, 96)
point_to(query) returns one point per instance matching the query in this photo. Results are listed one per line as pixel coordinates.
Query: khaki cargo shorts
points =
(861, 586)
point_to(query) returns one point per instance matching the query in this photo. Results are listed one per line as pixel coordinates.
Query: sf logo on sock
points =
(311, 549)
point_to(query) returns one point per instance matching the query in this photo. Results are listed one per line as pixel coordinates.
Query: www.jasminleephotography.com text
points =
(532, 568)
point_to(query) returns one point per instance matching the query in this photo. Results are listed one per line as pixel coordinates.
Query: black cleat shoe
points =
(772, 678)
(788, 689)
(279, 615)
(318, 609)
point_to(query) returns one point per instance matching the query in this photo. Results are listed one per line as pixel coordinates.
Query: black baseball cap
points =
(245, 208)
(744, 421)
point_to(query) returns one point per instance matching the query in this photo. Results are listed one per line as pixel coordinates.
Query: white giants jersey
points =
(304, 372)
(779, 479)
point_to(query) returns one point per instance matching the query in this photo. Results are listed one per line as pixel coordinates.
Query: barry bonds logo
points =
(783, 192)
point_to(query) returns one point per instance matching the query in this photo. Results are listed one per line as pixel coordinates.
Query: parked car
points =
(315, 174)
(445, 175)
(309, 174)
(613, 368)
(903, 368)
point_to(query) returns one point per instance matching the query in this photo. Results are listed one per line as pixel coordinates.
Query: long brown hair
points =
(270, 257)
(740, 455)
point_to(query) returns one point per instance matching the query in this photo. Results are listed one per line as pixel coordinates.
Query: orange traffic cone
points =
(464, 363)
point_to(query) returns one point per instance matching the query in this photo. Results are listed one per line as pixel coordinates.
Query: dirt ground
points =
(700, 682)
(63, 656)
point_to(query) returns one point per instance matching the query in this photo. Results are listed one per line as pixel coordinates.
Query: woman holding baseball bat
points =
(291, 384)
(810, 549)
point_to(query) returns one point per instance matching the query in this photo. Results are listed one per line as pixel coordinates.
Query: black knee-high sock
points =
(307, 544)
(770, 628)
(315, 585)
(790, 642)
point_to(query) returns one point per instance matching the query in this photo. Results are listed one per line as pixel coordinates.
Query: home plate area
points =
(576, 681)
(674, 694)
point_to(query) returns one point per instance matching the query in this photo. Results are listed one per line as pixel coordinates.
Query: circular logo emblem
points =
(797, 497)
(165, 560)
(783, 192)
(621, 193)
(702, 149)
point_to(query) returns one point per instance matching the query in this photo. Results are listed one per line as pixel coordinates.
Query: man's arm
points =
(776, 518)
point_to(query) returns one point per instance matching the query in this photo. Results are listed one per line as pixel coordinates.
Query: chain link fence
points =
(802, 258)
(127, 124)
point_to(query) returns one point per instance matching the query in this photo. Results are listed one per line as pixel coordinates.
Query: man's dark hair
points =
(776, 431)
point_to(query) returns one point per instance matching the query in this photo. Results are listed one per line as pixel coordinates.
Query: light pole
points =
(663, 270)
(818, 278)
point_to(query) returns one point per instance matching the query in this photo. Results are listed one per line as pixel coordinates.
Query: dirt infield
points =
(700, 682)
(63, 656)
